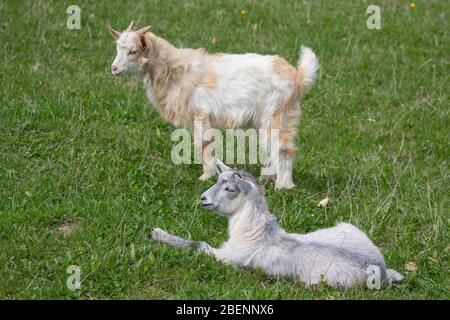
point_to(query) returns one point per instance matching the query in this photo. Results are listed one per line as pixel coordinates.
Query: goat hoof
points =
(157, 234)
(279, 186)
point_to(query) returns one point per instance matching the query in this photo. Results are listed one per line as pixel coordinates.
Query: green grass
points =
(83, 149)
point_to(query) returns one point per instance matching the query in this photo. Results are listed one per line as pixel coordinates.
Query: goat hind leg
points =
(287, 134)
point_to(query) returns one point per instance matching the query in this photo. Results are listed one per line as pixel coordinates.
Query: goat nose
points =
(114, 68)
(203, 198)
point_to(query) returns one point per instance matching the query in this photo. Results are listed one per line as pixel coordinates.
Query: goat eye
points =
(229, 189)
(132, 52)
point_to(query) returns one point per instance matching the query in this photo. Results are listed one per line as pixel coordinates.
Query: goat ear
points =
(143, 30)
(144, 43)
(115, 34)
(222, 166)
(242, 184)
(130, 26)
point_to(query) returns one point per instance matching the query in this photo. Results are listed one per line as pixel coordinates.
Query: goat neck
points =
(252, 221)
(162, 55)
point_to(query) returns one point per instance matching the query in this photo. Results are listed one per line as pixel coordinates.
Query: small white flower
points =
(35, 67)
(324, 202)
(411, 266)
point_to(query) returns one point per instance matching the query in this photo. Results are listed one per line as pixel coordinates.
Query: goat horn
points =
(143, 30)
(130, 26)
(222, 166)
(116, 34)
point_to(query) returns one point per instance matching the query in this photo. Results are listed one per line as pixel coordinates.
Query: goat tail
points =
(307, 67)
(393, 276)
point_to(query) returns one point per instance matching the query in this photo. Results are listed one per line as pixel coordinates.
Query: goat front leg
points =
(162, 236)
(203, 143)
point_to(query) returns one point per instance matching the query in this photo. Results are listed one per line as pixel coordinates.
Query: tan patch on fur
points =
(276, 121)
(289, 111)
(299, 84)
(172, 85)
(288, 72)
(283, 68)
(286, 120)
(210, 79)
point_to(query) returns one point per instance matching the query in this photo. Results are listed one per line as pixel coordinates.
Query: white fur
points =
(248, 90)
(309, 64)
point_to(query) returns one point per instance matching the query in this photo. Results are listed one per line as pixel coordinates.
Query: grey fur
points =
(339, 255)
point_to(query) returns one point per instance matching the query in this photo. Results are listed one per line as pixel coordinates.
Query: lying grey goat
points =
(342, 256)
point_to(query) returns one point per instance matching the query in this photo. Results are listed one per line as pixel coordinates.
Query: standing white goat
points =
(220, 91)
(342, 256)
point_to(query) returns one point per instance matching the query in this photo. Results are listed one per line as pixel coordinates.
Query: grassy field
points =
(86, 172)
